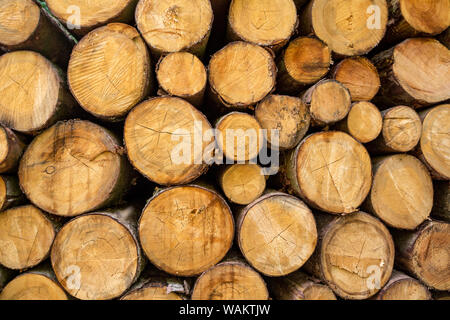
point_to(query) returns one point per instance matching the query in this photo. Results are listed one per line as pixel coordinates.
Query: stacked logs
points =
(224, 150)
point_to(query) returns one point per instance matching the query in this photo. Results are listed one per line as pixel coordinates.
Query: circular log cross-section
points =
(72, 168)
(305, 61)
(414, 73)
(328, 102)
(156, 289)
(364, 122)
(239, 136)
(182, 74)
(288, 115)
(425, 253)
(11, 149)
(26, 235)
(331, 171)
(33, 286)
(402, 191)
(276, 234)
(401, 131)
(299, 286)
(359, 76)
(10, 193)
(186, 230)
(109, 71)
(81, 16)
(175, 25)
(164, 138)
(242, 183)
(403, 287)
(33, 95)
(345, 25)
(96, 257)
(268, 23)
(241, 74)
(230, 280)
(355, 255)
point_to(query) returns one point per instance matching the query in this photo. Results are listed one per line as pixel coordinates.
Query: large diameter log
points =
(403, 287)
(425, 253)
(305, 61)
(167, 140)
(241, 74)
(11, 149)
(414, 18)
(401, 131)
(97, 256)
(276, 233)
(328, 102)
(268, 23)
(402, 191)
(183, 75)
(331, 171)
(345, 26)
(441, 205)
(359, 76)
(74, 167)
(171, 26)
(82, 16)
(185, 230)
(10, 193)
(24, 27)
(109, 71)
(288, 115)
(230, 280)
(434, 146)
(242, 183)
(299, 286)
(364, 122)
(32, 92)
(414, 73)
(354, 256)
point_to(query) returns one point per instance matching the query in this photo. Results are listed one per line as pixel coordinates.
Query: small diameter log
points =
(97, 256)
(241, 74)
(242, 183)
(74, 167)
(403, 287)
(328, 102)
(81, 16)
(171, 26)
(186, 230)
(109, 71)
(354, 256)
(299, 286)
(415, 18)
(433, 148)
(276, 234)
(441, 205)
(268, 23)
(331, 171)
(230, 280)
(305, 61)
(364, 122)
(401, 131)
(32, 92)
(288, 115)
(359, 76)
(167, 140)
(239, 136)
(414, 73)
(402, 191)
(424, 253)
(345, 26)
(11, 149)
(24, 27)
(10, 193)
(183, 75)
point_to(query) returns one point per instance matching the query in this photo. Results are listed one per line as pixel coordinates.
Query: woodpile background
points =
(95, 96)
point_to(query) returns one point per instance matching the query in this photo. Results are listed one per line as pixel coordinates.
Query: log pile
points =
(224, 150)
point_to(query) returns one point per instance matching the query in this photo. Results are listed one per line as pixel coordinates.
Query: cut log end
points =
(32, 286)
(11, 149)
(418, 12)
(18, 21)
(153, 291)
(402, 287)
